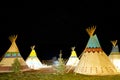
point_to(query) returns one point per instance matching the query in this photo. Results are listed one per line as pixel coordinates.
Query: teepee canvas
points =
(73, 59)
(94, 60)
(33, 61)
(114, 56)
(11, 54)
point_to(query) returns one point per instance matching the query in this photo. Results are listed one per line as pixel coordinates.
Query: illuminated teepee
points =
(94, 60)
(11, 54)
(33, 61)
(114, 56)
(73, 59)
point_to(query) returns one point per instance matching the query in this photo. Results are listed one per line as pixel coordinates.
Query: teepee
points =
(114, 56)
(11, 54)
(73, 59)
(33, 61)
(94, 60)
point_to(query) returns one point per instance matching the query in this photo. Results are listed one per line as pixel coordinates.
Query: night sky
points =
(55, 29)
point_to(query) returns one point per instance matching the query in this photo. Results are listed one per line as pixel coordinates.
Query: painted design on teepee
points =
(13, 51)
(33, 61)
(11, 54)
(73, 59)
(73, 52)
(93, 43)
(114, 55)
(115, 49)
(94, 60)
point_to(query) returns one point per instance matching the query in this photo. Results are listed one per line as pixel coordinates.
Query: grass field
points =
(37, 75)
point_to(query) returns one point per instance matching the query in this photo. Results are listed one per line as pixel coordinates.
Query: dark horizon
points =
(55, 29)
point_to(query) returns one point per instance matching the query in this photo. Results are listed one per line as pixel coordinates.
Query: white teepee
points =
(33, 61)
(11, 54)
(114, 56)
(73, 59)
(94, 60)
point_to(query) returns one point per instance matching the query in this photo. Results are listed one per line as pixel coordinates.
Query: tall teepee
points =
(33, 61)
(93, 60)
(114, 56)
(73, 59)
(11, 54)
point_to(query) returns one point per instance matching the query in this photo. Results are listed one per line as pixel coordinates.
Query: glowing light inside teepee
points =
(115, 55)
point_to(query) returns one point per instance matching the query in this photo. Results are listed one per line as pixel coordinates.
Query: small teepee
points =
(11, 54)
(33, 61)
(114, 56)
(73, 59)
(94, 60)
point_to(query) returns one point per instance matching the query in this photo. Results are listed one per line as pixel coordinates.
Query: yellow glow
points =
(33, 53)
(73, 53)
